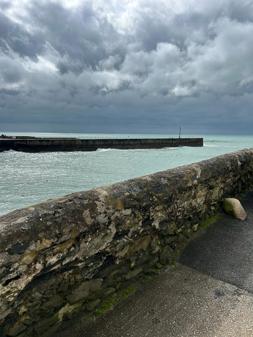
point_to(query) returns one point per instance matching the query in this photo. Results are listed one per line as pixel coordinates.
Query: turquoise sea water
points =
(27, 178)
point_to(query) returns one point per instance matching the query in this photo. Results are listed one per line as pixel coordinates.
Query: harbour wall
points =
(79, 255)
(74, 144)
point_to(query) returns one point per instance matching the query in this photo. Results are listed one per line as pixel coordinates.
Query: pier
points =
(32, 144)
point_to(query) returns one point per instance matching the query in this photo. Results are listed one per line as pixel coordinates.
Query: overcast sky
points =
(126, 65)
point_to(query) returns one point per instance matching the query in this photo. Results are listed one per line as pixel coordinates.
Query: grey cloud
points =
(8, 92)
(15, 38)
(146, 64)
(5, 4)
(10, 71)
(81, 37)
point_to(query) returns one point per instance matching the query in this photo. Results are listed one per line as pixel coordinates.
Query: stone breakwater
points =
(81, 254)
(74, 144)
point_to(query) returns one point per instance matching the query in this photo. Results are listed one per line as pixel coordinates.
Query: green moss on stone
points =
(185, 239)
(111, 301)
(210, 220)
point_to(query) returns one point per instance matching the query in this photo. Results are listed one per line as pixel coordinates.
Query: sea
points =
(29, 178)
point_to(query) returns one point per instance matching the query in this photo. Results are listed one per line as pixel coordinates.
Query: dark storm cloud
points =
(14, 38)
(81, 38)
(127, 65)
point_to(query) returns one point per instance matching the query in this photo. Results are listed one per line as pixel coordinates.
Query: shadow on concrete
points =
(225, 250)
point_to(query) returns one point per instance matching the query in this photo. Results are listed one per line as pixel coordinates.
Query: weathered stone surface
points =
(84, 290)
(234, 207)
(66, 256)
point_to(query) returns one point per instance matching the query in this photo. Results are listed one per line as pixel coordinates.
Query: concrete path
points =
(208, 294)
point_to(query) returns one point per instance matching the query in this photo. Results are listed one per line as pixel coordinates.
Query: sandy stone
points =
(234, 207)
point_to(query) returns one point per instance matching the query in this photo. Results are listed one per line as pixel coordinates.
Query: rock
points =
(16, 329)
(233, 207)
(84, 290)
(133, 273)
(166, 255)
(195, 227)
(67, 310)
(52, 303)
(93, 304)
